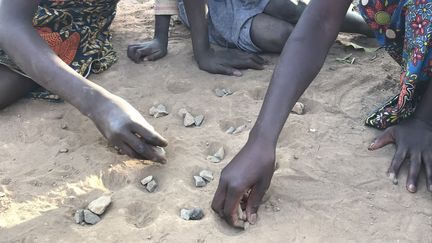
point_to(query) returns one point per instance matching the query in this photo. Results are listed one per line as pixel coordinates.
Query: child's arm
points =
(116, 119)
(227, 61)
(301, 60)
(155, 49)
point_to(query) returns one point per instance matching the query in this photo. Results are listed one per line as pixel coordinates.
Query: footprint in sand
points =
(141, 214)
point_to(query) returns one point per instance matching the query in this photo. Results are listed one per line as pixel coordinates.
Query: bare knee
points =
(270, 34)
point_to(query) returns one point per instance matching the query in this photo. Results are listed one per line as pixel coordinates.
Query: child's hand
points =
(126, 128)
(229, 61)
(413, 139)
(151, 51)
(252, 169)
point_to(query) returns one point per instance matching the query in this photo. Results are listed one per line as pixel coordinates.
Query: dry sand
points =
(336, 191)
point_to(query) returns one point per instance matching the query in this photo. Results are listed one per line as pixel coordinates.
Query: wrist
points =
(259, 134)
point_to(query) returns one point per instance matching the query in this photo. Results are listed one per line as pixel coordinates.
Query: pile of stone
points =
(218, 156)
(94, 211)
(189, 120)
(192, 214)
(222, 92)
(158, 111)
(238, 130)
(149, 183)
(204, 177)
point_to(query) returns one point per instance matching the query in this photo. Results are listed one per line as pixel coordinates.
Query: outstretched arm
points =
(301, 60)
(227, 61)
(117, 120)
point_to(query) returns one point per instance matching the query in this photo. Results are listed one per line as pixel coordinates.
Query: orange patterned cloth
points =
(65, 49)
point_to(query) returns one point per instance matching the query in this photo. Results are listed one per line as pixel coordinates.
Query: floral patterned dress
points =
(404, 28)
(78, 32)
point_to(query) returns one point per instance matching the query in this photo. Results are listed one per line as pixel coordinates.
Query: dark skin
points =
(301, 60)
(270, 31)
(116, 119)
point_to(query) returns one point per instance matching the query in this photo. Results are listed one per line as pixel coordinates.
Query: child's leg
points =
(269, 33)
(13, 86)
(288, 11)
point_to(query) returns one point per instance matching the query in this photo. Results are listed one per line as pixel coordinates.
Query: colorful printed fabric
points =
(78, 32)
(404, 28)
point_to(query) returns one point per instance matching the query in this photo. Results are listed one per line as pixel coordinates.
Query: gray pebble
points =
(64, 126)
(189, 120)
(79, 216)
(219, 93)
(213, 159)
(99, 205)
(199, 181)
(240, 129)
(230, 130)
(151, 186)
(206, 175)
(63, 151)
(192, 214)
(158, 111)
(199, 120)
(220, 154)
(298, 108)
(146, 180)
(91, 218)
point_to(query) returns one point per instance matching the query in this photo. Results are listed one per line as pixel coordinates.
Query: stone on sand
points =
(158, 111)
(206, 175)
(199, 120)
(91, 218)
(192, 214)
(298, 108)
(79, 216)
(230, 130)
(199, 181)
(213, 159)
(189, 120)
(99, 205)
(220, 154)
(63, 150)
(146, 180)
(151, 186)
(240, 129)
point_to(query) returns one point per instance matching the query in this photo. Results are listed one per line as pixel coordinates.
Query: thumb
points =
(253, 203)
(383, 140)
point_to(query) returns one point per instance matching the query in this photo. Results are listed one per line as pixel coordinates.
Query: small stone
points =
(63, 150)
(189, 120)
(160, 151)
(99, 205)
(220, 154)
(146, 180)
(158, 111)
(219, 92)
(2, 194)
(312, 130)
(296, 156)
(192, 214)
(79, 216)
(298, 108)
(199, 120)
(206, 175)
(240, 129)
(182, 112)
(230, 130)
(227, 92)
(213, 159)
(64, 126)
(91, 218)
(246, 226)
(151, 186)
(199, 181)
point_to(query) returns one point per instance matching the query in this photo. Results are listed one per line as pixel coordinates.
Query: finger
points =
(254, 201)
(427, 160)
(155, 56)
(150, 137)
(219, 198)
(144, 150)
(384, 139)
(395, 165)
(231, 205)
(414, 172)
(126, 150)
(229, 71)
(259, 59)
(249, 63)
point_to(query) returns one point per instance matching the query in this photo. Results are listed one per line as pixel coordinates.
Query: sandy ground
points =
(335, 191)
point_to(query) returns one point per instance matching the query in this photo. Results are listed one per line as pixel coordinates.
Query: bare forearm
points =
(195, 10)
(302, 58)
